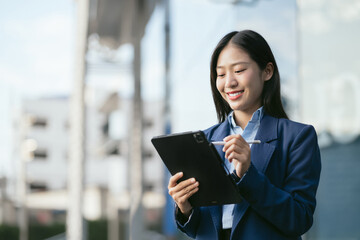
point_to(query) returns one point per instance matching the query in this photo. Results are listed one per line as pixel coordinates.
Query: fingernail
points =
(193, 180)
(180, 173)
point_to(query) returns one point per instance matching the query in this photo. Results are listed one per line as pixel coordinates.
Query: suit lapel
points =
(260, 156)
(220, 133)
(261, 153)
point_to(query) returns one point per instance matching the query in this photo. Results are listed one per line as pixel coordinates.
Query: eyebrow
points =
(233, 64)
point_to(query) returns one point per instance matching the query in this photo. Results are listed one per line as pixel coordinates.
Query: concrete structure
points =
(106, 168)
(7, 207)
(48, 128)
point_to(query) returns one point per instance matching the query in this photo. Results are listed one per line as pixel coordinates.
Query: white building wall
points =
(101, 169)
(53, 138)
(153, 126)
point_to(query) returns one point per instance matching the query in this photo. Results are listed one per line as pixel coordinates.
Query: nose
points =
(230, 81)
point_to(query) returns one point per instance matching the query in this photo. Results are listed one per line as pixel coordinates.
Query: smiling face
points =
(240, 80)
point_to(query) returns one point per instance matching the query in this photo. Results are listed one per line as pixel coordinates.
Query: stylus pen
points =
(249, 142)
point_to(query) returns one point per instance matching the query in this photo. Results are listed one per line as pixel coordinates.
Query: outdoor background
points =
(83, 92)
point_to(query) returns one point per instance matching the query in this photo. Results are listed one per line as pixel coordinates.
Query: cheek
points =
(254, 82)
(219, 85)
(258, 88)
(249, 78)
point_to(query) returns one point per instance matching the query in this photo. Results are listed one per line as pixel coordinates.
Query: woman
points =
(278, 178)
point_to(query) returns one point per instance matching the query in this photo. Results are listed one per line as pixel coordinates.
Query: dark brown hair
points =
(259, 51)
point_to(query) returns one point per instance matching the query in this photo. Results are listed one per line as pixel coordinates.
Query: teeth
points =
(235, 94)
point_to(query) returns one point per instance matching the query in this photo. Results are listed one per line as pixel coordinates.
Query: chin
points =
(236, 107)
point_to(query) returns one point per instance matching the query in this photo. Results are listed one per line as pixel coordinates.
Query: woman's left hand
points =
(238, 152)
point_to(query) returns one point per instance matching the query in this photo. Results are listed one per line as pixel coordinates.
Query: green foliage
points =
(96, 230)
(38, 231)
(8, 232)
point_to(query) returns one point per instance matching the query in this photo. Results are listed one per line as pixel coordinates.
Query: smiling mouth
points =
(235, 94)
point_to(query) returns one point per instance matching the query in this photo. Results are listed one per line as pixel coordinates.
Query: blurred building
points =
(44, 125)
(329, 81)
(7, 207)
(337, 212)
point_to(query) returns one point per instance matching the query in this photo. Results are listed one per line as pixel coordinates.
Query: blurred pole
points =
(169, 227)
(167, 64)
(74, 221)
(136, 227)
(23, 214)
(22, 186)
(2, 199)
(299, 104)
(113, 217)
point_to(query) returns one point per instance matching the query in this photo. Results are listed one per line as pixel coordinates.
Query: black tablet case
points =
(192, 154)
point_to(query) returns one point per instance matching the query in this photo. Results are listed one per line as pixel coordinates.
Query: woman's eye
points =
(239, 71)
(221, 75)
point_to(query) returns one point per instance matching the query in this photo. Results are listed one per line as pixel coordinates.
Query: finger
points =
(238, 157)
(184, 197)
(177, 195)
(184, 184)
(234, 136)
(173, 180)
(237, 140)
(238, 148)
(186, 190)
(228, 138)
(232, 148)
(228, 145)
(189, 194)
(180, 186)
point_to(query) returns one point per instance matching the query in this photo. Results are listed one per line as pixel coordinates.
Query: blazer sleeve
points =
(289, 208)
(190, 226)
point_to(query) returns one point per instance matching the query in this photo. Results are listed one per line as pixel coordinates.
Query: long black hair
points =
(258, 49)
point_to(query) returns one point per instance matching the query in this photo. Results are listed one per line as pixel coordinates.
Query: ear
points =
(268, 71)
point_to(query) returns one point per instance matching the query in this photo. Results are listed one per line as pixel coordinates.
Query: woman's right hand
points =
(182, 191)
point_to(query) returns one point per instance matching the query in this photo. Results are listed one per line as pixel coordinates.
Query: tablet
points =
(192, 154)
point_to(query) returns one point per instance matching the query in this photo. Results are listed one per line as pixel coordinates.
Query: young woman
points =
(278, 178)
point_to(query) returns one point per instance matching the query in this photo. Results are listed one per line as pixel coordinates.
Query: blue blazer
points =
(279, 188)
